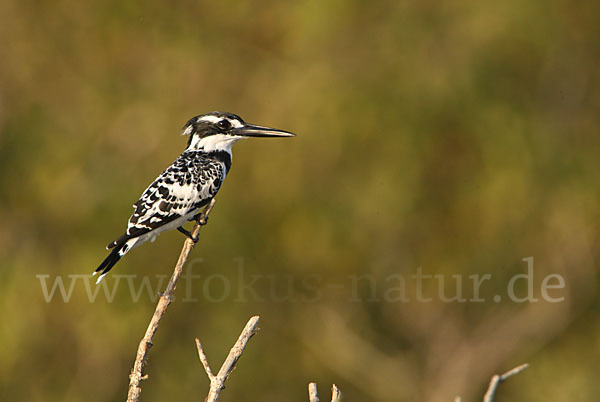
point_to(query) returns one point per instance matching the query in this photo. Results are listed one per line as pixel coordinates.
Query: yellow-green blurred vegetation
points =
(456, 136)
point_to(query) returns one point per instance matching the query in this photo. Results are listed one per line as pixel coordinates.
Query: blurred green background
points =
(460, 137)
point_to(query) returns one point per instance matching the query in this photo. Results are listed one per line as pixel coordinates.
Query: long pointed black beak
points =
(250, 130)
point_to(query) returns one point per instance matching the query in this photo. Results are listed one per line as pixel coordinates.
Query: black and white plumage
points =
(179, 193)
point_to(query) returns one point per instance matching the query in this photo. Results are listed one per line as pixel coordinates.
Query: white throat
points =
(216, 142)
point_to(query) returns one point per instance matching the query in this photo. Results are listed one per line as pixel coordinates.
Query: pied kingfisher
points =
(179, 193)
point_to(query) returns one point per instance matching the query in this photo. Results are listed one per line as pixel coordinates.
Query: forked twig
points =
(137, 373)
(498, 379)
(217, 382)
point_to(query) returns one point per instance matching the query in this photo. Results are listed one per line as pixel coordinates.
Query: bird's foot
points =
(188, 234)
(201, 219)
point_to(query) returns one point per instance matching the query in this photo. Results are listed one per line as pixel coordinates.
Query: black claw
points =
(201, 220)
(188, 234)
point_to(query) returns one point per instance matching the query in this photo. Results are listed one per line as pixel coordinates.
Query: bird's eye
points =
(224, 124)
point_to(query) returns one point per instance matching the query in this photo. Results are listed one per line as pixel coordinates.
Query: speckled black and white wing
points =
(179, 192)
(174, 198)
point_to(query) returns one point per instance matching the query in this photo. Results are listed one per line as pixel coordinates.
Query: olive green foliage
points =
(456, 136)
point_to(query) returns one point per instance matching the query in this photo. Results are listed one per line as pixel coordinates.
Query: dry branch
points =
(137, 373)
(498, 379)
(313, 395)
(217, 382)
(336, 394)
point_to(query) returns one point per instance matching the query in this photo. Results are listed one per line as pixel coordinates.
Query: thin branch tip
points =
(498, 379)
(313, 394)
(204, 360)
(336, 394)
(514, 371)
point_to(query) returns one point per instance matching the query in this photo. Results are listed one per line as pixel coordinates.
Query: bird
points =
(180, 192)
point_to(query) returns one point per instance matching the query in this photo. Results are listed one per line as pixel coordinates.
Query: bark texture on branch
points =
(137, 373)
(313, 395)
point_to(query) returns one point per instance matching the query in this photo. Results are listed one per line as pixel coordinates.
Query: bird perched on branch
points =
(190, 183)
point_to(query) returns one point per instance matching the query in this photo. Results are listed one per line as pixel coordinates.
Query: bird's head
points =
(218, 131)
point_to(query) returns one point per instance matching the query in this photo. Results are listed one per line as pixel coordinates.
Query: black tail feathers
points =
(110, 261)
(120, 241)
